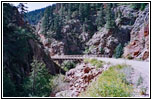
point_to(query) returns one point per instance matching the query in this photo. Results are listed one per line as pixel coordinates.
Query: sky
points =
(34, 5)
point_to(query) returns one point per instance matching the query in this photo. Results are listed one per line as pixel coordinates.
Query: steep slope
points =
(33, 17)
(139, 43)
(20, 48)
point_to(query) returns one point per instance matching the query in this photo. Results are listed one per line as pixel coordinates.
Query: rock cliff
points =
(139, 43)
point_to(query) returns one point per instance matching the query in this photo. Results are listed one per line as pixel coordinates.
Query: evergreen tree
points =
(110, 22)
(114, 5)
(62, 11)
(118, 51)
(100, 18)
(38, 81)
(47, 22)
(22, 8)
(86, 12)
(57, 27)
(15, 38)
(136, 6)
(143, 5)
(69, 11)
(81, 11)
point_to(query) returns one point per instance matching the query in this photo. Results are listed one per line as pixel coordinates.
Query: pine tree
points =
(22, 8)
(114, 5)
(81, 11)
(86, 12)
(57, 27)
(118, 51)
(38, 81)
(61, 11)
(110, 22)
(100, 18)
(46, 20)
(69, 11)
(136, 6)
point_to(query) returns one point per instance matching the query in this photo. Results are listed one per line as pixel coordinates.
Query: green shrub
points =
(86, 60)
(101, 50)
(97, 63)
(67, 65)
(138, 6)
(118, 51)
(135, 6)
(140, 80)
(86, 51)
(142, 7)
(109, 84)
(94, 62)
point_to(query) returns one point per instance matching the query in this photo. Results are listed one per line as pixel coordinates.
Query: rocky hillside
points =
(85, 29)
(139, 43)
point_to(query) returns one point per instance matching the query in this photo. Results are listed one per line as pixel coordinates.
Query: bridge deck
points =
(72, 57)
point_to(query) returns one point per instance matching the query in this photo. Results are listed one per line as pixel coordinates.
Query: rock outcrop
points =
(79, 78)
(139, 43)
(73, 40)
(107, 40)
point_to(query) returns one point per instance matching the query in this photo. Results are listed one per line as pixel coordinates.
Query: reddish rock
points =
(145, 55)
(136, 53)
(86, 70)
(146, 30)
(139, 39)
(79, 78)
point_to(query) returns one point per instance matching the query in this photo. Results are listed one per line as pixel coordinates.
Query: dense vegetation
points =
(22, 75)
(17, 52)
(33, 17)
(111, 83)
(67, 65)
(94, 62)
(92, 16)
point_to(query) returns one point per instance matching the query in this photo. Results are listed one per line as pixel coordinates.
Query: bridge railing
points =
(75, 56)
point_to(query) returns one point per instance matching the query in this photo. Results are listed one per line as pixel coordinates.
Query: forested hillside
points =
(33, 17)
(89, 28)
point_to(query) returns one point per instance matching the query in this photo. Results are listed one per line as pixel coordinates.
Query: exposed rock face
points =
(79, 79)
(73, 40)
(40, 54)
(108, 40)
(139, 44)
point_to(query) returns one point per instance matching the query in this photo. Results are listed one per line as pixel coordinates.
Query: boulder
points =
(86, 70)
